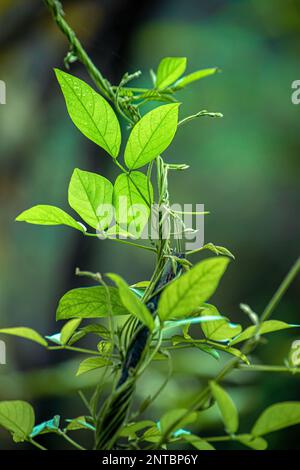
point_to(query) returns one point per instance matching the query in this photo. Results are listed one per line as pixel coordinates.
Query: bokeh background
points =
(244, 168)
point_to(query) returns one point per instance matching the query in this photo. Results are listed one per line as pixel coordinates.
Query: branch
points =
(77, 49)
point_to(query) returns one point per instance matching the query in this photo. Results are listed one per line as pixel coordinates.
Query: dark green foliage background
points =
(245, 168)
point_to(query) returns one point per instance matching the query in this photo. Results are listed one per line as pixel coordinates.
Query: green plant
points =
(133, 324)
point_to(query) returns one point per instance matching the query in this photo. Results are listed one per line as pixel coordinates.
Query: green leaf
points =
(18, 418)
(178, 418)
(133, 304)
(218, 330)
(233, 351)
(266, 327)
(68, 330)
(192, 77)
(197, 442)
(90, 195)
(24, 332)
(227, 408)
(93, 328)
(208, 350)
(90, 302)
(48, 215)
(218, 250)
(151, 135)
(131, 429)
(47, 426)
(90, 113)
(189, 291)
(169, 70)
(92, 363)
(79, 423)
(132, 198)
(199, 343)
(256, 443)
(278, 416)
(152, 435)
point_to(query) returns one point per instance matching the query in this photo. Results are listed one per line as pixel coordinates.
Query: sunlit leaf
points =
(151, 135)
(132, 303)
(48, 215)
(90, 113)
(68, 330)
(92, 363)
(169, 70)
(24, 332)
(192, 77)
(90, 195)
(132, 198)
(218, 330)
(18, 418)
(189, 291)
(266, 327)
(90, 302)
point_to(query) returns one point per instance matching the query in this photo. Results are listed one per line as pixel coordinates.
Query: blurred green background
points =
(244, 168)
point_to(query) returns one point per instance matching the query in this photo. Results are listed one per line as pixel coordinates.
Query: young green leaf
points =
(90, 195)
(133, 304)
(68, 330)
(169, 70)
(92, 363)
(90, 113)
(92, 328)
(256, 443)
(227, 408)
(218, 330)
(218, 250)
(90, 302)
(131, 429)
(151, 135)
(221, 347)
(189, 291)
(47, 426)
(48, 215)
(79, 423)
(192, 77)
(178, 416)
(18, 418)
(197, 442)
(24, 332)
(132, 198)
(278, 416)
(266, 327)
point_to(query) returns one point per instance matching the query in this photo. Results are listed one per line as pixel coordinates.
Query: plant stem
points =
(67, 438)
(36, 444)
(56, 10)
(267, 368)
(281, 291)
(119, 240)
(204, 112)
